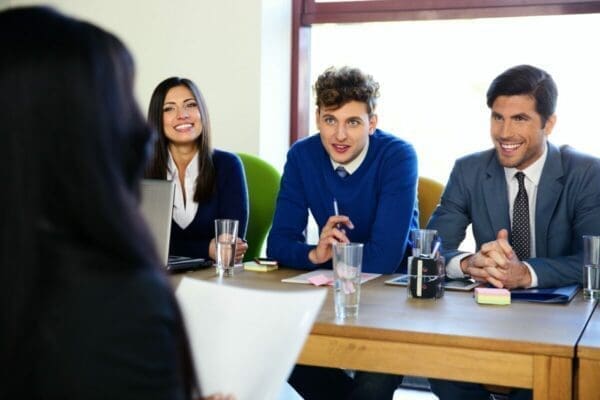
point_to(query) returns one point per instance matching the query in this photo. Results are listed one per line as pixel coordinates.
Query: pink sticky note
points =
(492, 292)
(319, 280)
(492, 296)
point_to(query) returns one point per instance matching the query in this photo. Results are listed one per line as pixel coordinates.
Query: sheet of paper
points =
(246, 341)
(324, 275)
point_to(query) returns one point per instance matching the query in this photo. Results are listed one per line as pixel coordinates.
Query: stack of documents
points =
(245, 341)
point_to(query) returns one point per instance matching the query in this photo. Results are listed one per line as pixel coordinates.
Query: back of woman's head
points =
(74, 148)
(75, 140)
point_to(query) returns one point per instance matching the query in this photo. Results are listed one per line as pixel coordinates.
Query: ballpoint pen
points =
(336, 212)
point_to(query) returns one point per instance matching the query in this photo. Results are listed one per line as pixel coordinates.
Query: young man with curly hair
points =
(372, 176)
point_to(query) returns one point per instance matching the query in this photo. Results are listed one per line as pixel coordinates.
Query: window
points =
(433, 88)
(434, 69)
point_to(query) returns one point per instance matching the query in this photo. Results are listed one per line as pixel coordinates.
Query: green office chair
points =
(430, 193)
(263, 186)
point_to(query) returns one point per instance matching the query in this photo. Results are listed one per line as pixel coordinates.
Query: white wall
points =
(237, 51)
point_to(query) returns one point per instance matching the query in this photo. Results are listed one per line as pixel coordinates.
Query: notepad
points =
(253, 266)
(494, 296)
(320, 277)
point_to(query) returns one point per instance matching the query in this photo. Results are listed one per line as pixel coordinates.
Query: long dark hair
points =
(157, 168)
(74, 149)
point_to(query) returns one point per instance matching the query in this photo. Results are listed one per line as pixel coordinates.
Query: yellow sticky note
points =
(492, 296)
(253, 266)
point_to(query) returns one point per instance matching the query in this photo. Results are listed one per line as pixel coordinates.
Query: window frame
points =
(308, 12)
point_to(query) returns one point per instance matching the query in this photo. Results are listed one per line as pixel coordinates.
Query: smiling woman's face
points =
(182, 122)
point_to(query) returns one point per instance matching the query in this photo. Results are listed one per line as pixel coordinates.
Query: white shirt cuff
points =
(453, 270)
(534, 278)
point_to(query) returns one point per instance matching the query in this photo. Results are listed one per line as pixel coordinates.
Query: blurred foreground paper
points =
(246, 341)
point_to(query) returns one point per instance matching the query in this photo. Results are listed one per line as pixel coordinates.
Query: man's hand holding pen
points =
(332, 232)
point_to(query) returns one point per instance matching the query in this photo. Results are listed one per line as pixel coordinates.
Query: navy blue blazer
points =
(567, 207)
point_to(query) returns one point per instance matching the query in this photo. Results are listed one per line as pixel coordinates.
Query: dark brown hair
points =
(336, 87)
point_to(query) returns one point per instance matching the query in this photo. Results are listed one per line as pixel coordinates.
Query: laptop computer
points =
(157, 208)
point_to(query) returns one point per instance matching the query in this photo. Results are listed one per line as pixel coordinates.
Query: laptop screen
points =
(157, 209)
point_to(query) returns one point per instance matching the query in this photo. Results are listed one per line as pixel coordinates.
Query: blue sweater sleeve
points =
(395, 214)
(287, 241)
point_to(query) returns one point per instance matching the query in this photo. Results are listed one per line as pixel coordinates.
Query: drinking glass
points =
(226, 232)
(347, 266)
(591, 267)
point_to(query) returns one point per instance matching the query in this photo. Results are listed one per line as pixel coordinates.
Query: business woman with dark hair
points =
(85, 312)
(210, 184)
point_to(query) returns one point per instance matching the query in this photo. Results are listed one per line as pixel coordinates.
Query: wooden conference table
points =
(588, 354)
(523, 345)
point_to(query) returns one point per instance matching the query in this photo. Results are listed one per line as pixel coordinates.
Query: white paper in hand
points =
(245, 341)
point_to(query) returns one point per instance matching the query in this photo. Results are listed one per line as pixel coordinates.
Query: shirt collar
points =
(353, 165)
(533, 172)
(191, 171)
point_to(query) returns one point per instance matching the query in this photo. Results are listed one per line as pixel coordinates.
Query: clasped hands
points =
(497, 264)
(332, 232)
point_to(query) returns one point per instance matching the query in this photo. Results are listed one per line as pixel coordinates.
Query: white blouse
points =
(184, 213)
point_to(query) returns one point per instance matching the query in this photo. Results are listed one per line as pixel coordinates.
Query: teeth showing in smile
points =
(183, 127)
(510, 146)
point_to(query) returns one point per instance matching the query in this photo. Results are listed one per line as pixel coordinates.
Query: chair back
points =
(429, 195)
(263, 185)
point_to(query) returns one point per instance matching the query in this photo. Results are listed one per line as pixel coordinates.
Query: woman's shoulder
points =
(121, 320)
(225, 156)
(225, 161)
(142, 292)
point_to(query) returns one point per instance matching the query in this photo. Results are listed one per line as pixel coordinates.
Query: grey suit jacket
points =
(567, 207)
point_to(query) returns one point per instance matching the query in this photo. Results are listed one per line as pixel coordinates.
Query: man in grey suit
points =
(528, 201)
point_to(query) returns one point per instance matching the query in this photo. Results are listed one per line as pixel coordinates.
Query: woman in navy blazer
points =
(209, 184)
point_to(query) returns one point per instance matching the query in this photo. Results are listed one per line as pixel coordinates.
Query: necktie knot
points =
(341, 171)
(521, 231)
(521, 179)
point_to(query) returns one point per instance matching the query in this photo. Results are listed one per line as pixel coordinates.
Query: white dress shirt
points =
(533, 174)
(184, 212)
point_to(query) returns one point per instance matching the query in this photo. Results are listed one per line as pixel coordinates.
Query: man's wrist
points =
(464, 264)
(312, 255)
(526, 280)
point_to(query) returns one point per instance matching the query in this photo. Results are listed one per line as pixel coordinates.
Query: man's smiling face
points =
(517, 131)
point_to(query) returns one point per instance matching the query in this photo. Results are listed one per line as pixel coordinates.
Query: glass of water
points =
(226, 232)
(591, 267)
(347, 266)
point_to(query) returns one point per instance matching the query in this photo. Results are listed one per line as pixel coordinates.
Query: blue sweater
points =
(379, 197)
(230, 200)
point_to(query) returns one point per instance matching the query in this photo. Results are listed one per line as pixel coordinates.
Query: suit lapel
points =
(496, 196)
(548, 194)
